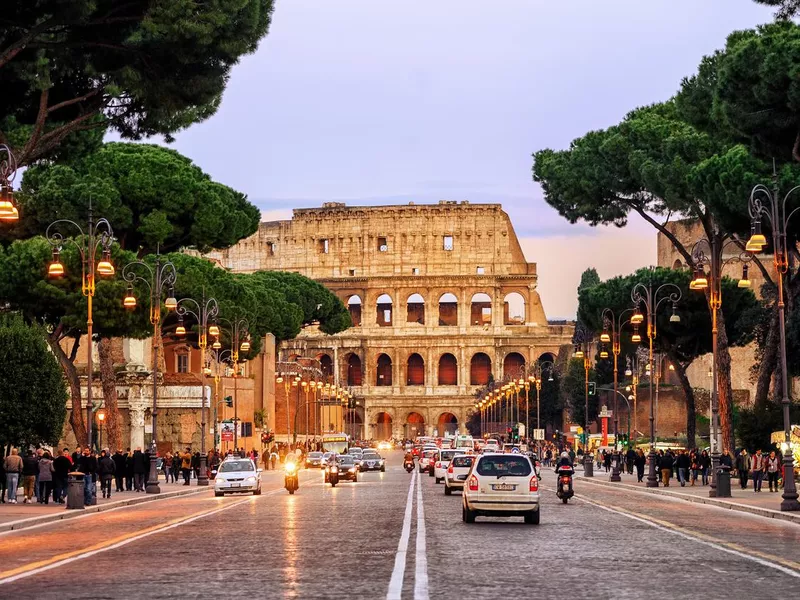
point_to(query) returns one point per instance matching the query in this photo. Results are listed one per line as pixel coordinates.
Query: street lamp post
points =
(652, 299)
(767, 203)
(204, 311)
(98, 237)
(238, 330)
(158, 278)
(8, 172)
(582, 351)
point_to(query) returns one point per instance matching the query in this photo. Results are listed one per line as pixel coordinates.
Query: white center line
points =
(396, 583)
(421, 571)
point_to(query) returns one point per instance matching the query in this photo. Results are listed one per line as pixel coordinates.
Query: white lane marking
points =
(127, 541)
(396, 582)
(755, 559)
(421, 559)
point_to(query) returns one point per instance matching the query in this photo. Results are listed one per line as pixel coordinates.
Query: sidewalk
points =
(18, 516)
(765, 504)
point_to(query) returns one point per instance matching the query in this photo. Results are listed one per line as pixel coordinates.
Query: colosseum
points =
(441, 297)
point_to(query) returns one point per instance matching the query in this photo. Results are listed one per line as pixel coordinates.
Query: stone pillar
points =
(137, 407)
(134, 351)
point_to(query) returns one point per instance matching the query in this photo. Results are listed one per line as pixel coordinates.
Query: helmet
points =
(564, 454)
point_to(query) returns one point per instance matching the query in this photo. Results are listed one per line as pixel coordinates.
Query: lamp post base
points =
(152, 477)
(588, 466)
(202, 478)
(789, 502)
(712, 490)
(652, 476)
(615, 469)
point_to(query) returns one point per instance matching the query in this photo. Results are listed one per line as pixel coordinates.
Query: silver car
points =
(237, 475)
(501, 485)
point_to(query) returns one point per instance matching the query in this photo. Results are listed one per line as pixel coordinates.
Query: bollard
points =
(75, 490)
(724, 481)
(588, 465)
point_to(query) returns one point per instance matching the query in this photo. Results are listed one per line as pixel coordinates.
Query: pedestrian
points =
(666, 468)
(273, 458)
(3, 483)
(30, 470)
(743, 467)
(45, 478)
(76, 456)
(140, 467)
(196, 465)
(167, 466)
(607, 460)
(129, 475)
(176, 466)
(62, 465)
(757, 465)
(13, 467)
(186, 465)
(630, 459)
(39, 455)
(773, 470)
(120, 461)
(106, 469)
(639, 462)
(683, 463)
(705, 466)
(88, 466)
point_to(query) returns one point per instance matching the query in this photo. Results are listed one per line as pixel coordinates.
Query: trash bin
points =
(588, 466)
(724, 481)
(75, 490)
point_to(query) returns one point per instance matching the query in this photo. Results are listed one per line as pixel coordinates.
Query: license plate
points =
(461, 477)
(503, 487)
(236, 485)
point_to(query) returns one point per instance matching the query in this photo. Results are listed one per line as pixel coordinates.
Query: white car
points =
(425, 461)
(443, 461)
(457, 472)
(491, 445)
(385, 445)
(501, 485)
(237, 475)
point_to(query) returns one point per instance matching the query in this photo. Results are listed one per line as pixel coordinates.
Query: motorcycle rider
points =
(564, 461)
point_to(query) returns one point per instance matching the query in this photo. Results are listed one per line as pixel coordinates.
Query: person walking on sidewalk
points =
(106, 469)
(743, 465)
(119, 470)
(666, 468)
(30, 470)
(62, 465)
(773, 470)
(140, 467)
(45, 478)
(682, 464)
(705, 466)
(639, 461)
(186, 465)
(13, 468)
(757, 465)
(3, 483)
(88, 466)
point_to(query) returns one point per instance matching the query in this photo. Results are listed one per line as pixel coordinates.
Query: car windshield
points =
(447, 455)
(429, 453)
(230, 466)
(346, 460)
(462, 461)
(499, 465)
(371, 456)
(315, 455)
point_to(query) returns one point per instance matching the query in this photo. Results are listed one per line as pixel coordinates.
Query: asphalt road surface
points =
(395, 535)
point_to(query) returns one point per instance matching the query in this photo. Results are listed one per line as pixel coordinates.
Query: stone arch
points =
(547, 356)
(513, 366)
(383, 371)
(385, 310)
(514, 309)
(354, 372)
(415, 374)
(447, 423)
(677, 265)
(354, 308)
(480, 312)
(415, 311)
(414, 424)
(448, 310)
(353, 423)
(325, 365)
(448, 369)
(480, 368)
(383, 425)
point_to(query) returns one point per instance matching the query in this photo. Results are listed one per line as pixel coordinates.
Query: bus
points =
(337, 442)
(463, 441)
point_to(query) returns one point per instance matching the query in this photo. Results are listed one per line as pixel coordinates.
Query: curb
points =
(755, 510)
(71, 514)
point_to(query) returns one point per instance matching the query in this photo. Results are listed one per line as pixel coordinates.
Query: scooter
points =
(291, 479)
(333, 475)
(564, 488)
(408, 465)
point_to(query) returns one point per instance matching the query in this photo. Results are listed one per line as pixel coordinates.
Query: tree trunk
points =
(76, 419)
(724, 387)
(688, 392)
(108, 379)
(769, 362)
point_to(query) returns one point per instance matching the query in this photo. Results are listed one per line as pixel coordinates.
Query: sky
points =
(389, 101)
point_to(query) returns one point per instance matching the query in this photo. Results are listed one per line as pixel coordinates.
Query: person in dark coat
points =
(128, 470)
(140, 468)
(106, 468)
(119, 469)
(88, 466)
(640, 462)
(743, 465)
(683, 463)
(62, 465)
(665, 466)
(30, 470)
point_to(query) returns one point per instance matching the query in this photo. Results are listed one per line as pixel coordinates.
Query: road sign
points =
(538, 434)
(226, 432)
(574, 428)
(515, 450)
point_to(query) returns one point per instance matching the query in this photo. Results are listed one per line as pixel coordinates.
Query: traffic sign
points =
(538, 434)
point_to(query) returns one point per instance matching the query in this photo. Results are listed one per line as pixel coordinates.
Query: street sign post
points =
(538, 434)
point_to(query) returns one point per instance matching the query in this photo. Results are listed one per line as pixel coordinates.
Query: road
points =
(395, 535)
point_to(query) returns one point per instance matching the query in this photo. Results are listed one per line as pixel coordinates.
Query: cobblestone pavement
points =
(396, 535)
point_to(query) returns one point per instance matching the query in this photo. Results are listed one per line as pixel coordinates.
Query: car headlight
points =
(251, 479)
(219, 480)
(352, 469)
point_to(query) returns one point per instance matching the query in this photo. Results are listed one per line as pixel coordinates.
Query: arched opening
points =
(415, 425)
(448, 310)
(480, 368)
(353, 424)
(677, 265)
(416, 370)
(514, 366)
(547, 356)
(383, 426)
(384, 370)
(353, 370)
(448, 370)
(480, 310)
(384, 305)
(447, 424)
(416, 309)
(514, 309)
(326, 365)
(354, 307)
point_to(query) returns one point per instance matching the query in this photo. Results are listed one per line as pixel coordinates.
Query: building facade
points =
(441, 297)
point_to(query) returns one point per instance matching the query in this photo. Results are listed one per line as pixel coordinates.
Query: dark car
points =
(348, 469)
(314, 460)
(372, 461)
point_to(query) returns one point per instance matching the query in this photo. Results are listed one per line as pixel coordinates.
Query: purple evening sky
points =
(389, 101)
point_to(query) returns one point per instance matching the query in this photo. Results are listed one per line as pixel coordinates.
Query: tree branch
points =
(796, 148)
(66, 103)
(9, 53)
(667, 233)
(41, 118)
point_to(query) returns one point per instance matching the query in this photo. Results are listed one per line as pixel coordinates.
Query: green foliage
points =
(153, 196)
(755, 425)
(142, 68)
(786, 8)
(573, 392)
(33, 394)
(550, 408)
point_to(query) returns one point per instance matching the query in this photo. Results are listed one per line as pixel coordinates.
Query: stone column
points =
(138, 405)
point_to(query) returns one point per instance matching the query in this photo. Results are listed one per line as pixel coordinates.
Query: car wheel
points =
(383, 469)
(532, 518)
(291, 492)
(448, 491)
(333, 484)
(468, 515)
(420, 469)
(257, 492)
(430, 473)
(219, 494)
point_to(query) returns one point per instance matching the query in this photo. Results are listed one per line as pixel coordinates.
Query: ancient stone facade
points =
(441, 297)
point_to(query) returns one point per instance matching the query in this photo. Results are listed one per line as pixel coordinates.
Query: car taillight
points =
(473, 484)
(534, 484)
(438, 465)
(450, 469)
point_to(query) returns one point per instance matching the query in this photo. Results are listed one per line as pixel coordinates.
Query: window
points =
(382, 245)
(481, 271)
(247, 430)
(448, 243)
(183, 363)
(352, 272)
(504, 464)
(324, 246)
(415, 271)
(271, 248)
